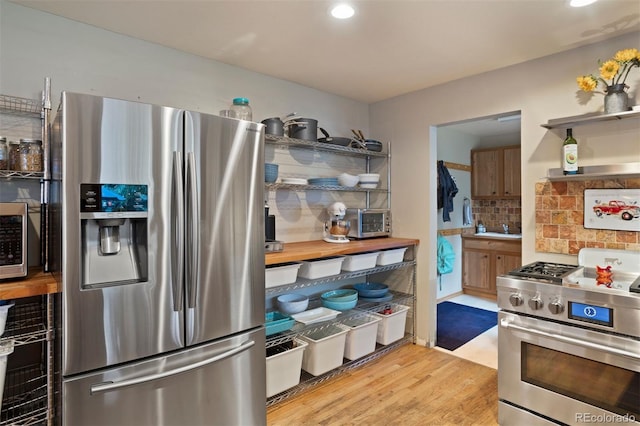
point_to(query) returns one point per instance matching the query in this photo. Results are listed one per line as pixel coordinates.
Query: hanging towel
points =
(446, 256)
(466, 212)
(447, 189)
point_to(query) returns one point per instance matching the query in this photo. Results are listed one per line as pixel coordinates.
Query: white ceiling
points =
(390, 47)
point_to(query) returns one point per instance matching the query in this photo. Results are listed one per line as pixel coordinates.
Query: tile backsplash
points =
(560, 218)
(493, 213)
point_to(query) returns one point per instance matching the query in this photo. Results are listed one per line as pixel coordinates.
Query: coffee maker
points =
(113, 221)
(336, 228)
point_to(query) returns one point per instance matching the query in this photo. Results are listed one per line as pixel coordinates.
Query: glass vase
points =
(616, 99)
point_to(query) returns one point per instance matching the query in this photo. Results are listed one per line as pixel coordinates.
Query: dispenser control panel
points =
(113, 198)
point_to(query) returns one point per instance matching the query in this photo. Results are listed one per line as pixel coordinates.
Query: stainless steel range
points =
(569, 341)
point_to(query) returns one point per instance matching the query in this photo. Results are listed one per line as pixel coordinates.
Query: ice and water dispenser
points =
(113, 221)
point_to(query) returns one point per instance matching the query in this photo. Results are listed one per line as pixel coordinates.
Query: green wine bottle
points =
(570, 154)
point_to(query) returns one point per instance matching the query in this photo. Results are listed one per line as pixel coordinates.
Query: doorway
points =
(453, 145)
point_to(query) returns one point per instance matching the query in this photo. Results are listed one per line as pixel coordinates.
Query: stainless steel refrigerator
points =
(160, 244)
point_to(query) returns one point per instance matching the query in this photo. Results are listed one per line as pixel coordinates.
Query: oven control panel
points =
(612, 311)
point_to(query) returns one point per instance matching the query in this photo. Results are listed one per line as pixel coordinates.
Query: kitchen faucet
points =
(505, 227)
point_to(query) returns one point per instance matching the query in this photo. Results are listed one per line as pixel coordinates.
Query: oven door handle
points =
(504, 323)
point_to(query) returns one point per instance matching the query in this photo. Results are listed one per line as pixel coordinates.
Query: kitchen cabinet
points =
(400, 277)
(598, 171)
(495, 173)
(483, 259)
(29, 386)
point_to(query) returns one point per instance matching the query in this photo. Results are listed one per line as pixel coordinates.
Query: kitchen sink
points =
(499, 235)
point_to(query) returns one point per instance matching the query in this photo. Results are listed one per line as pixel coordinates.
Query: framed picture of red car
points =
(617, 209)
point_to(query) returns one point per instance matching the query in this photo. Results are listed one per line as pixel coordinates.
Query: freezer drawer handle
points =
(504, 323)
(107, 386)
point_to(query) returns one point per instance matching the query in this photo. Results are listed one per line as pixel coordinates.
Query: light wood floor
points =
(413, 385)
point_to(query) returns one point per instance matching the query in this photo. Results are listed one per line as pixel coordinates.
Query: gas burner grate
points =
(544, 270)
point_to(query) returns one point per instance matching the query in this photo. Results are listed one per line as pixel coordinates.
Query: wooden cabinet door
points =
(485, 174)
(506, 262)
(476, 270)
(512, 168)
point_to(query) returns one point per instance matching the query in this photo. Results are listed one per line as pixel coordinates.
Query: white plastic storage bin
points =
(359, 262)
(284, 368)
(6, 349)
(318, 268)
(281, 274)
(361, 336)
(391, 326)
(4, 311)
(325, 351)
(389, 257)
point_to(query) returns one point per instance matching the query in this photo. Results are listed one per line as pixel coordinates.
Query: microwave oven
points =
(13, 240)
(368, 223)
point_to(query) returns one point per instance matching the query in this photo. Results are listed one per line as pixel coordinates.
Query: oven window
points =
(606, 386)
(372, 222)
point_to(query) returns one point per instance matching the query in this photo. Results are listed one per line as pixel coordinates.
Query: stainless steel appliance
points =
(369, 223)
(13, 240)
(162, 264)
(568, 348)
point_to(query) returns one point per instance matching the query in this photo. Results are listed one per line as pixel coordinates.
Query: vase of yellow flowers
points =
(616, 99)
(613, 74)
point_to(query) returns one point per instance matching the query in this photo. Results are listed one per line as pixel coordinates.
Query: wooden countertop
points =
(316, 249)
(36, 283)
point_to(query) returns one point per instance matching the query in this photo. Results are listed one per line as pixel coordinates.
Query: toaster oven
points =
(368, 223)
(13, 240)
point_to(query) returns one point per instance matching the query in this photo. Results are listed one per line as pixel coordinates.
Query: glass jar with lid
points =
(30, 155)
(241, 109)
(4, 154)
(14, 155)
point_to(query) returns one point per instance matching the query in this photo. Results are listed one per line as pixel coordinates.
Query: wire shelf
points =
(26, 323)
(320, 146)
(361, 309)
(292, 187)
(20, 175)
(25, 397)
(303, 282)
(308, 381)
(22, 106)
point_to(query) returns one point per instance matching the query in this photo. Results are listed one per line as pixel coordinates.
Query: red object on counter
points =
(604, 276)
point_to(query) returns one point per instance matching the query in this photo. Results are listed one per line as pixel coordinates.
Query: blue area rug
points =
(457, 324)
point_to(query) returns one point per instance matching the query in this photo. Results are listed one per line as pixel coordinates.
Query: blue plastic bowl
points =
(292, 303)
(270, 172)
(340, 295)
(371, 289)
(339, 306)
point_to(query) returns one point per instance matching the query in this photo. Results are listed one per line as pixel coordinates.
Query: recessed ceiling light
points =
(580, 3)
(342, 11)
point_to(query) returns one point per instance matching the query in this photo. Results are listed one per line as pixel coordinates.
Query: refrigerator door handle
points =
(107, 386)
(193, 229)
(177, 207)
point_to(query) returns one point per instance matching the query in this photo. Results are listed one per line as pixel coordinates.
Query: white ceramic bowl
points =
(292, 303)
(369, 178)
(345, 179)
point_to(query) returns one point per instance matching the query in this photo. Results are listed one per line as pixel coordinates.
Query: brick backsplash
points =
(493, 213)
(560, 218)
